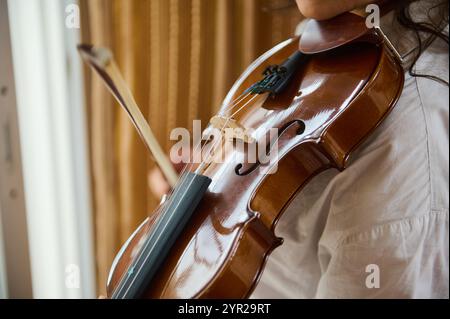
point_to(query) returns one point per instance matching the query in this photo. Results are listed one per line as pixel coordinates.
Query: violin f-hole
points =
(239, 169)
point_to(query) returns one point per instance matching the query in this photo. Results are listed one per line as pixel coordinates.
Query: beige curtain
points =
(179, 57)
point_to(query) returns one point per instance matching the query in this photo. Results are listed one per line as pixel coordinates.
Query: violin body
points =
(334, 102)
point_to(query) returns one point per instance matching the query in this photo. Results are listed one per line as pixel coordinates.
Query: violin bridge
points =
(235, 130)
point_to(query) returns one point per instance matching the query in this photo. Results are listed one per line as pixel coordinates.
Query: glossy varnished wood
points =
(340, 96)
(321, 36)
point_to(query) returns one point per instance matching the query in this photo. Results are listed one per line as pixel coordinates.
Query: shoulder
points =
(390, 208)
(401, 171)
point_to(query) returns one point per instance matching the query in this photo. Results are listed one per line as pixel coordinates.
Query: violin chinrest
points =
(321, 36)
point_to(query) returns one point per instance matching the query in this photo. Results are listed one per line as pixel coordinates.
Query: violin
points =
(324, 93)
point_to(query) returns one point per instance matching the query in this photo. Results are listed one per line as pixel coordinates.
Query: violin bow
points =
(102, 61)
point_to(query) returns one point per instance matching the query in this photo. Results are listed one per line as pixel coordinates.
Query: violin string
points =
(218, 140)
(232, 105)
(242, 107)
(228, 119)
(231, 117)
(137, 260)
(221, 131)
(190, 164)
(225, 125)
(149, 240)
(170, 218)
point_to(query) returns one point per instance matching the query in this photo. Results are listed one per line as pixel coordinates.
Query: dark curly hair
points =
(403, 15)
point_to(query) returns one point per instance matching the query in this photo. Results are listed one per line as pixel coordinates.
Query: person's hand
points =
(326, 9)
(157, 183)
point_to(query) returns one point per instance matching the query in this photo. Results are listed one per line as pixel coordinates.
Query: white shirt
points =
(380, 229)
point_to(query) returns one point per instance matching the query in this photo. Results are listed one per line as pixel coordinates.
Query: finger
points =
(157, 183)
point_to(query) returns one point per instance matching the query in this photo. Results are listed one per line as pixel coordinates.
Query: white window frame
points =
(3, 279)
(15, 273)
(52, 125)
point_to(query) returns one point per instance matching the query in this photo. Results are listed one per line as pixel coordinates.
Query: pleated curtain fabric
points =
(179, 57)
